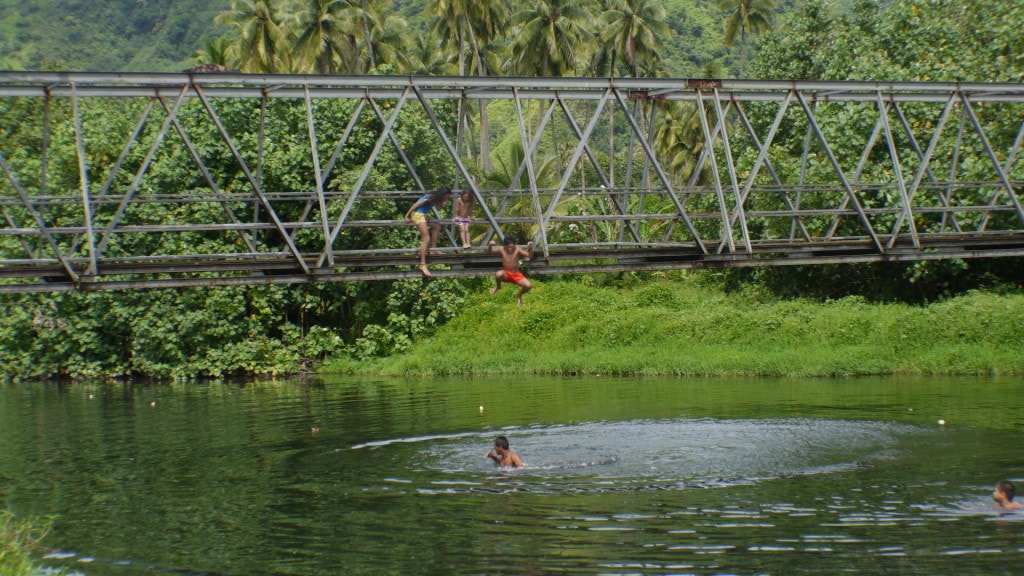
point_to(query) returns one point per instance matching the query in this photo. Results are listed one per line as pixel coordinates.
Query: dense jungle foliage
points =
(282, 329)
(165, 35)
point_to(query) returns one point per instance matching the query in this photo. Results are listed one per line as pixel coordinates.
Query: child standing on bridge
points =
(463, 212)
(510, 255)
(419, 214)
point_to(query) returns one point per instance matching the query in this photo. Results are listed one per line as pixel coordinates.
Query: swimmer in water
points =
(1003, 495)
(502, 455)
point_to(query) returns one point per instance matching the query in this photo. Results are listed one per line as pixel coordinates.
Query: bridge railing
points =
(114, 181)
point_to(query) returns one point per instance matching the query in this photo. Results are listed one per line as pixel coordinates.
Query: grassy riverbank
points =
(18, 540)
(679, 328)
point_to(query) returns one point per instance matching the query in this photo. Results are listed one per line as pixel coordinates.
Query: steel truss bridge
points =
(648, 174)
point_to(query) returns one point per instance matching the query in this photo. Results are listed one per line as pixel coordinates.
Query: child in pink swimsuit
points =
(463, 212)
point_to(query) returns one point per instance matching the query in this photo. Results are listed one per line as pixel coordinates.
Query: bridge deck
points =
(475, 262)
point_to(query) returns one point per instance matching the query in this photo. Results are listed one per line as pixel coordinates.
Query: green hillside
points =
(685, 327)
(106, 35)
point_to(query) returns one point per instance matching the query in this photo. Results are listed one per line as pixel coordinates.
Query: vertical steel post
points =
(315, 152)
(83, 176)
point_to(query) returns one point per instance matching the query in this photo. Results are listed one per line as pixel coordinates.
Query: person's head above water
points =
(501, 442)
(502, 455)
(1003, 495)
(1007, 488)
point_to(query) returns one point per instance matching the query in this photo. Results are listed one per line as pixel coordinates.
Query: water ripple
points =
(644, 455)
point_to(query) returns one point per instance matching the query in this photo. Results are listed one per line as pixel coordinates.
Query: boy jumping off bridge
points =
(510, 255)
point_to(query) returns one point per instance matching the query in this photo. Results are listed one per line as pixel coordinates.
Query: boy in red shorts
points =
(510, 255)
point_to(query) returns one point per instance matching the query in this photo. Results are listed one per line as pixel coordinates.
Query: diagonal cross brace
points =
(581, 148)
(925, 158)
(429, 110)
(64, 262)
(661, 173)
(384, 135)
(813, 122)
(252, 181)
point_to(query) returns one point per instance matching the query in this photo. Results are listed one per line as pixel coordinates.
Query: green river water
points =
(624, 476)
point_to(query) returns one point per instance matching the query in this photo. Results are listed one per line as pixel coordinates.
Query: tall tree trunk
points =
(463, 126)
(611, 133)
(485, 139)
(485, 124)
(743, 50)
(366, 35)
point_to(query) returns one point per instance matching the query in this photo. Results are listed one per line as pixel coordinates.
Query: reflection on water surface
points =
(623, 477)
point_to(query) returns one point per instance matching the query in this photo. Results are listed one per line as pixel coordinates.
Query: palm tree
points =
(678, 138)
(324, 44)
(470, 27)
(426, 59)
(214, 51)
(448, 24)
(388, 42)
(633, 30)
(552, 37)
(488, 23)
(749, 18)
(520, 204)
(369, 18)
(262, 36)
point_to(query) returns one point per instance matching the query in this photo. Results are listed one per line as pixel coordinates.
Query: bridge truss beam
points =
(602, 174)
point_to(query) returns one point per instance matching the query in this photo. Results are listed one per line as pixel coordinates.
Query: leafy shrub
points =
(417, 310)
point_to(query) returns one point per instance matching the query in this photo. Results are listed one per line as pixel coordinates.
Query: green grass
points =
(18, 540)
(678, 328)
